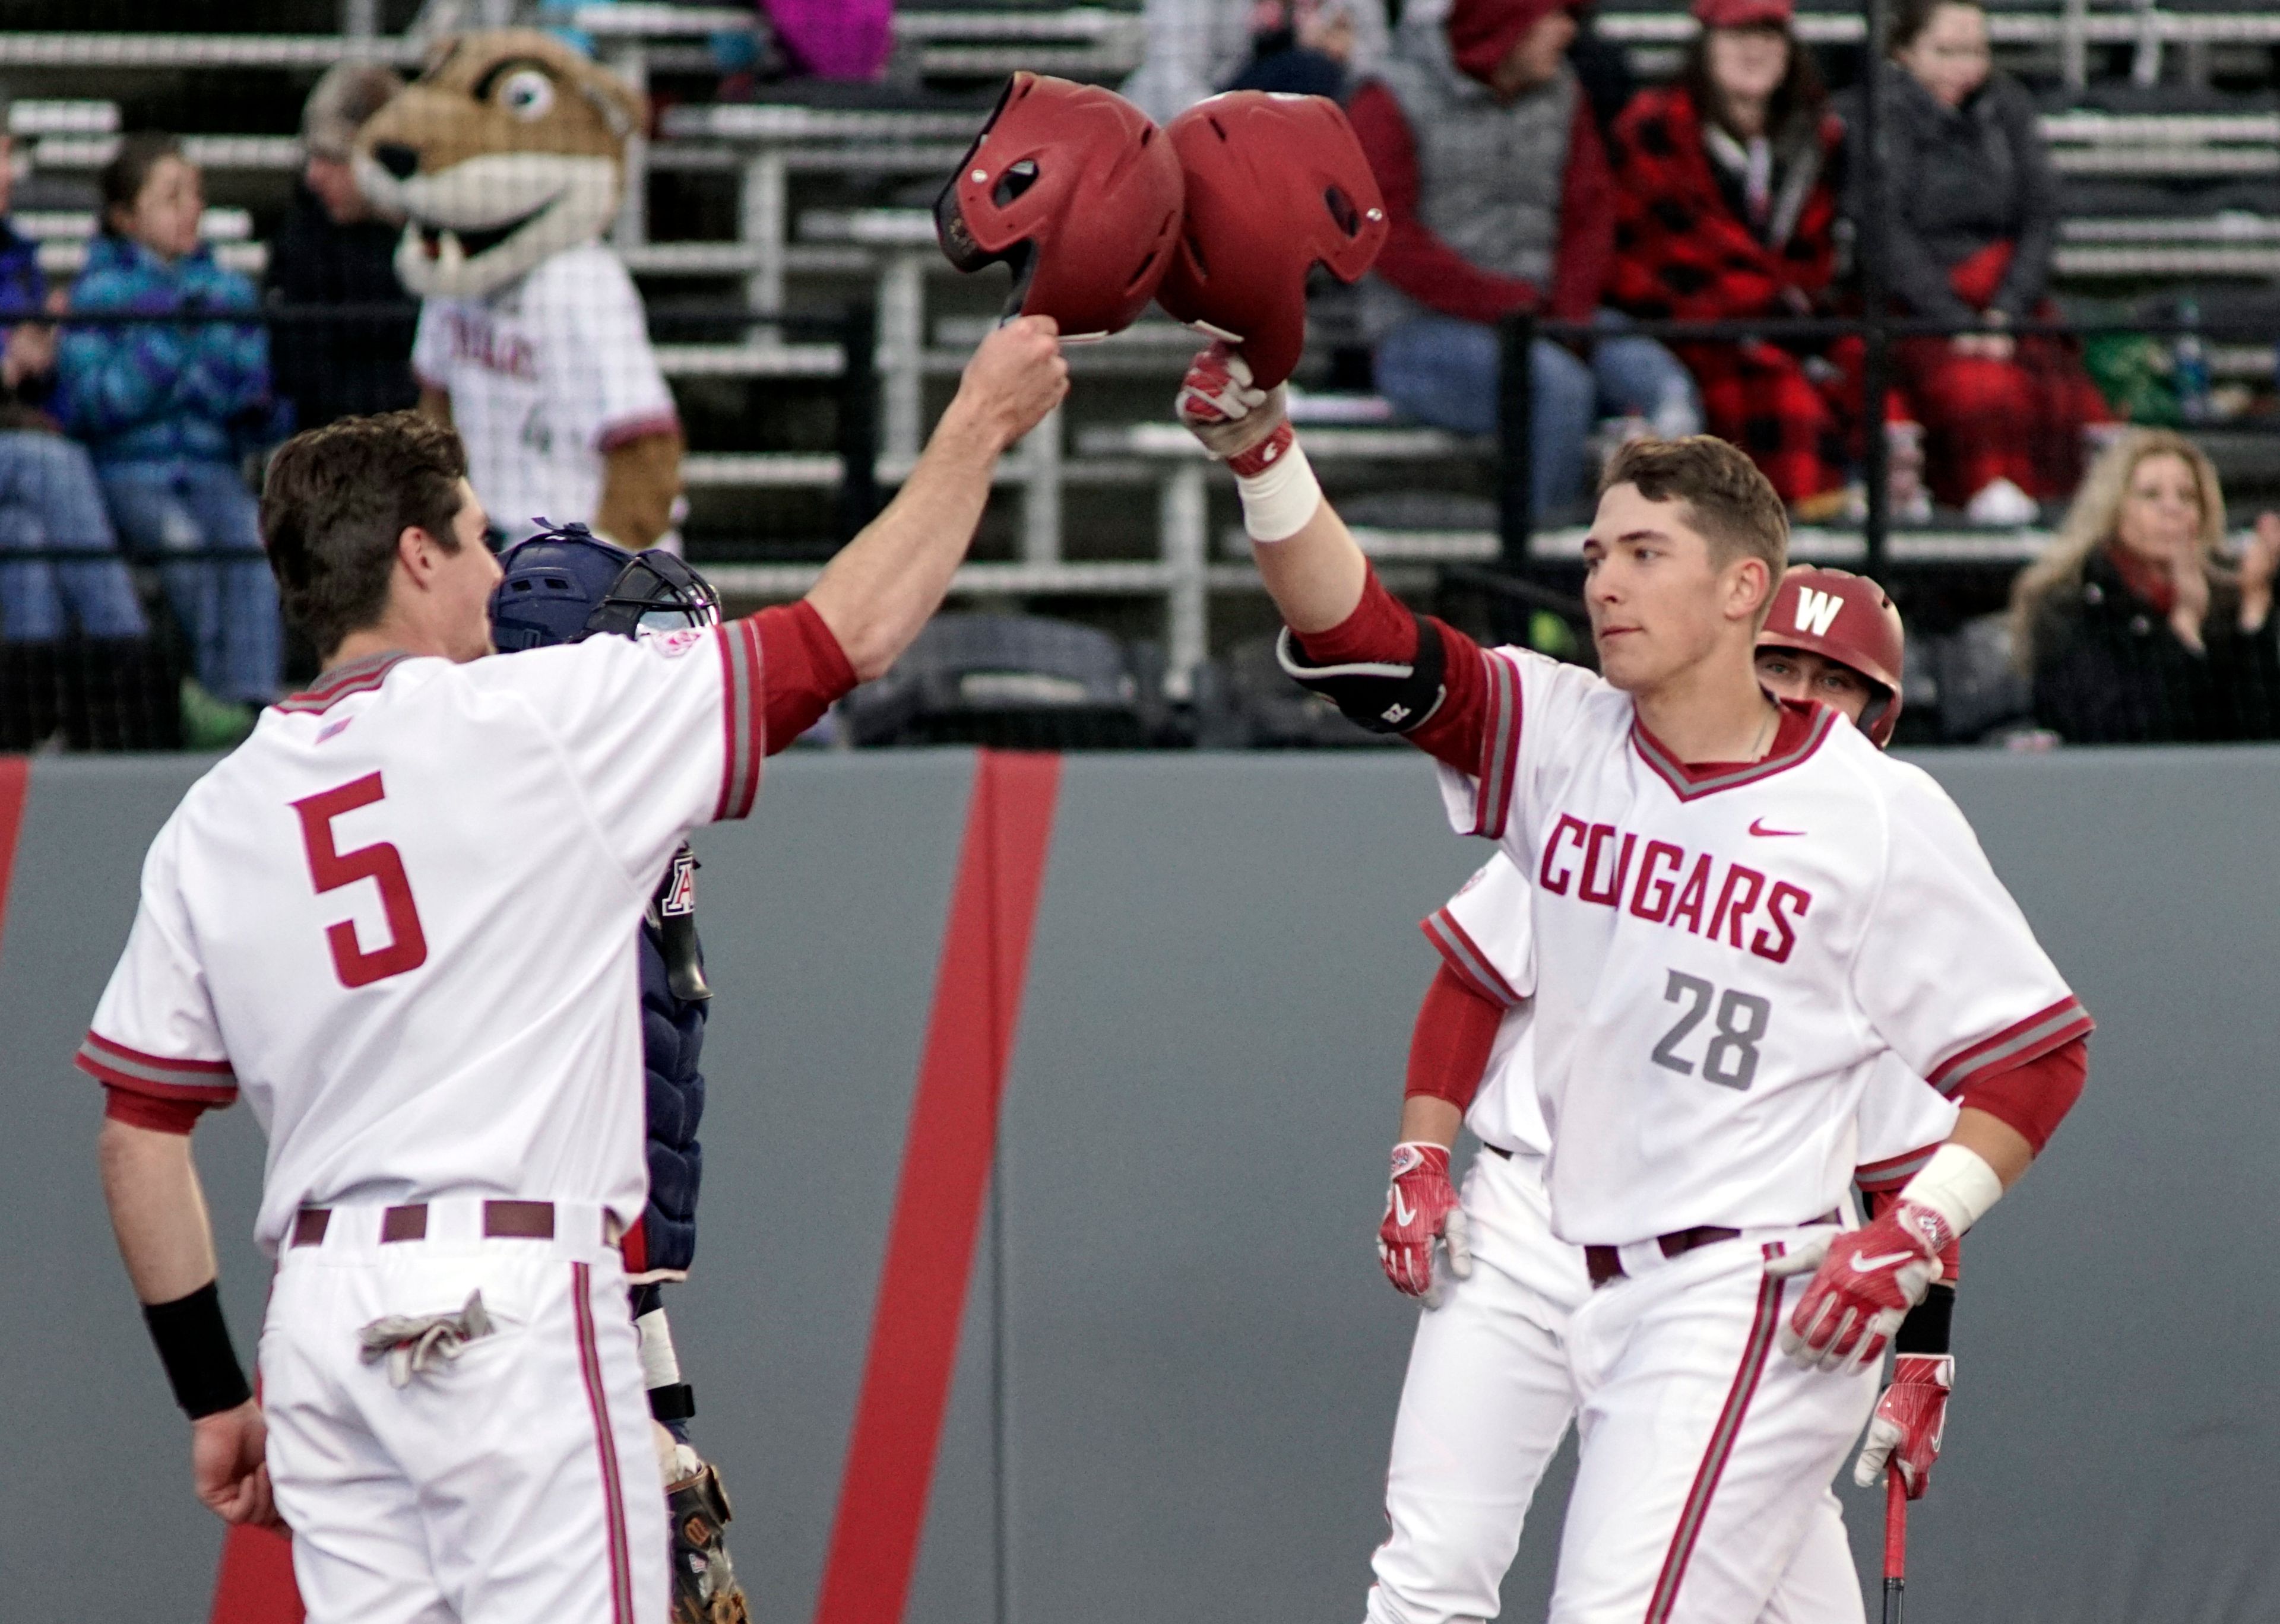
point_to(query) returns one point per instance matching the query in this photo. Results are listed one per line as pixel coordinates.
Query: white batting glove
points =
(1421, 1207)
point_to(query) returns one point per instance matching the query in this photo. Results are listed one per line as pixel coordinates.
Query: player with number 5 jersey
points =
(401, 921)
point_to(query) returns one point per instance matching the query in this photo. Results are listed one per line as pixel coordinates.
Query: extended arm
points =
(159, 1214)
(885, 584)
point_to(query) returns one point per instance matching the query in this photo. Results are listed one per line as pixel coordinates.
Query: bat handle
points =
(1896, 1541)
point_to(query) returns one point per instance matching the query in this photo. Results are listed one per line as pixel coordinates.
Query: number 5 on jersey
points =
(330, 869)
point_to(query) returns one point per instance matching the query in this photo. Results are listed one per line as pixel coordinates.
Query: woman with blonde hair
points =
(2131, 626)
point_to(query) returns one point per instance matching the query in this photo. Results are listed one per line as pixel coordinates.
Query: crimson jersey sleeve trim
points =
(1449, 1047)
(1380, 629)
(2015, 1046)
(1462, 957)
(641, 427)
(212, 1082)
(1496, 774)
(2033, 1098)
(743, 718)
(807, 670)
(160, 1116)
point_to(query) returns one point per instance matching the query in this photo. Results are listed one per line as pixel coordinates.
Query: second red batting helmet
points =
(1848, 618)
(1276, 185)
(1078, 191)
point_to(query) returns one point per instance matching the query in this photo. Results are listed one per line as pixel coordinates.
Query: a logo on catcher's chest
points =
(680, 898)
(675, 643)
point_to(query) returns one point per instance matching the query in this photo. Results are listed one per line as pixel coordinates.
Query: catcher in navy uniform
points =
(560, 586)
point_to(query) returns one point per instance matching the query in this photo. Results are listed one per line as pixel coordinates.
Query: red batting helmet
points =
(1848, 618)
(1073, 187)
(1276, 185)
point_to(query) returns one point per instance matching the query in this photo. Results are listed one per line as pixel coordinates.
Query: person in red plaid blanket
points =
(1727, 210)
(1971, 224)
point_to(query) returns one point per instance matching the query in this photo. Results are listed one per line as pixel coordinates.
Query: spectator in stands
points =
(335, 248)
(1497, 184)
(49, 498)
(1308, 47)
(2130, 628)
(1727, 212)
(1971, 221)
(1198, 47)
(170, 411)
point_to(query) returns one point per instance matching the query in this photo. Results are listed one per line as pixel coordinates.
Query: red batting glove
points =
(1421, 1207)
(1866, 1281)
(1244, 426)
(1910, 1417)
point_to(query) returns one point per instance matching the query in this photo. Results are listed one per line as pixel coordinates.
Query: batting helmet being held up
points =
(1848, 618)
(567, 584)
(1276, 185)
(1079, 192)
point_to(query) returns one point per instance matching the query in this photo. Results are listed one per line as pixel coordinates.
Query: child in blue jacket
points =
(168, 409)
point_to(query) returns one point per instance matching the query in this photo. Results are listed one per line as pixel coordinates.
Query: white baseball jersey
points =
(546, 375)
(1486, 936)
(400, 918)
(1723, 957)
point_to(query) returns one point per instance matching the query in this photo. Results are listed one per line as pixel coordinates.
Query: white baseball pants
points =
(1489, 1395)
(1706, 1456)
(515, 1484)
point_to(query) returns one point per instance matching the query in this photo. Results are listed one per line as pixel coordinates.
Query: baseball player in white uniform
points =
(1740, 908)
(400, 921)
(1488, 1395)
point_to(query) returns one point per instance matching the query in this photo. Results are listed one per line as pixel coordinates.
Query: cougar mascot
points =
(506, 158)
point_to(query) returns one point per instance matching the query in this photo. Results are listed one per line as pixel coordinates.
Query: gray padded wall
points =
(1194, 1391)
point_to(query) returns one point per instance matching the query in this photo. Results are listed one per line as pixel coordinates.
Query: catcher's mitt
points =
(704, 1587)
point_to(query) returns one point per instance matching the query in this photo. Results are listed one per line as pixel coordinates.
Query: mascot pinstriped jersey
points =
(507, 160)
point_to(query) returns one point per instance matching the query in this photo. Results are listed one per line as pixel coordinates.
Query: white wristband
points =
(661, 1366)
(1956, 1184)
(1279, 499)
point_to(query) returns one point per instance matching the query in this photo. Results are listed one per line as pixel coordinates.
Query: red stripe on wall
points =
(256, 1585)
(939, 1201)
(15, 781)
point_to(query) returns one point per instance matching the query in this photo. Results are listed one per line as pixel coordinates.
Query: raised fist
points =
(1224, 410)
(1014, 377)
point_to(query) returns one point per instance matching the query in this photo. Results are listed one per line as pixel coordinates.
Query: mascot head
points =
(508, 148)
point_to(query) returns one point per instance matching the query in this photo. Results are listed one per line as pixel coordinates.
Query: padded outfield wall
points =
(1162, 1373)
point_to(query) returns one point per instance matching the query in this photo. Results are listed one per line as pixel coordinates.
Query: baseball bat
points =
(1896, 1542)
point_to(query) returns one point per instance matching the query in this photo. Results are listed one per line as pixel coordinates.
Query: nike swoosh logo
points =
(1759, 827)
(1403, 1214)
(1861, 1266)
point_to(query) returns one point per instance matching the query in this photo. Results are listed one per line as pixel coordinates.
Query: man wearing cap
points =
(337, 248)
(1497, 187)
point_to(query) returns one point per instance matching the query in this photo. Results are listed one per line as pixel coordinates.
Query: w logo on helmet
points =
(1816, 611)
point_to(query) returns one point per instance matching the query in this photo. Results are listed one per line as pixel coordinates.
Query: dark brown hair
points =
(1799, 92)
(122, 179)
(1728, 500)
(337, 498)
(1911, 18)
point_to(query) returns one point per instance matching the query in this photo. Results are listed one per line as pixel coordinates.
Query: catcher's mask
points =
(566, 584)
(1075, 190)
(1276, 185)
(1848, 618)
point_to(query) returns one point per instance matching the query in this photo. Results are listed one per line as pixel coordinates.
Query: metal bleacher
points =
(826, 209)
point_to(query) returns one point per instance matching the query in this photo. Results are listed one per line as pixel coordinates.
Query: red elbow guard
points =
(2035, 1097)
(1449, 1047)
